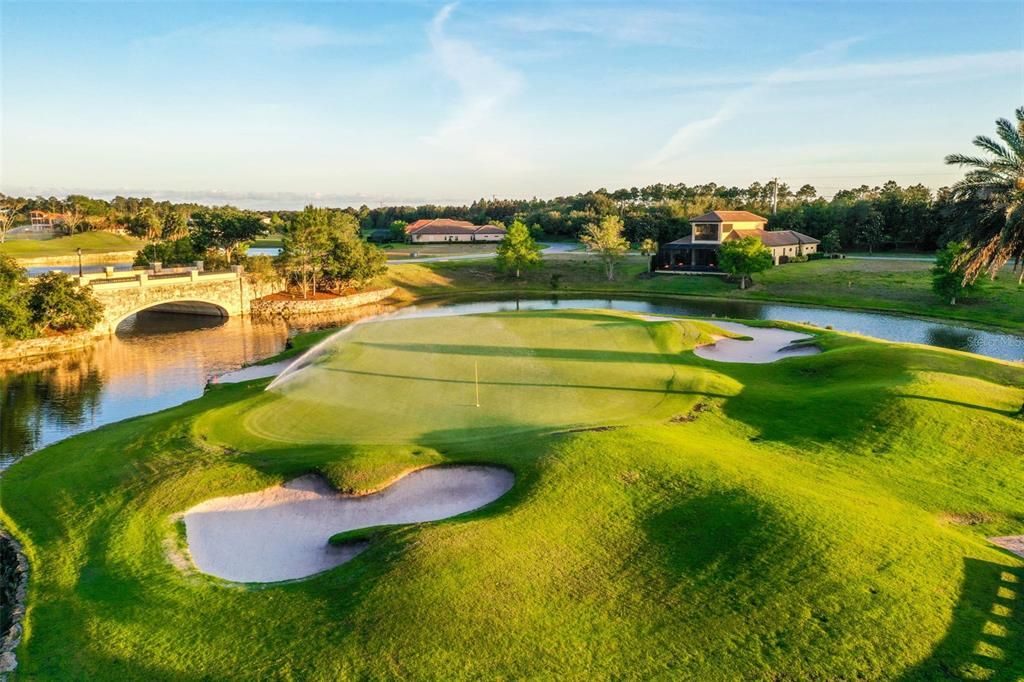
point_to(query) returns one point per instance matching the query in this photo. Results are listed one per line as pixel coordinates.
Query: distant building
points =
(698, 251)
(45, 219)
(447, 230)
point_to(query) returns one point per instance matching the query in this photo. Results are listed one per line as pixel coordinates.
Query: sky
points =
(272, 105)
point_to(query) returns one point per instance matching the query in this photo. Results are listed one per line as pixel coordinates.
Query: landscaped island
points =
(821, 515)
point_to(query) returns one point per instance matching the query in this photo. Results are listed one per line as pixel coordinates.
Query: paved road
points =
(560, 247)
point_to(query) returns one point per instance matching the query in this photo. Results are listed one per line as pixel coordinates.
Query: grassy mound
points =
(820, 517)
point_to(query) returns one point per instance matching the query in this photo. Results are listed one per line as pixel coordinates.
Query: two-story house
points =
(698, 251)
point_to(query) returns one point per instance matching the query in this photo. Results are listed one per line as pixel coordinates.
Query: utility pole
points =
(775, 195)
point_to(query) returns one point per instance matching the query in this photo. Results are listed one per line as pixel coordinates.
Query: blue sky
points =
(424, 101)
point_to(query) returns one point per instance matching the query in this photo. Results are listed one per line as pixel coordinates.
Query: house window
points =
(705, 232)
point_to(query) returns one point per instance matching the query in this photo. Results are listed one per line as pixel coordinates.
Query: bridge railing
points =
(146, 278)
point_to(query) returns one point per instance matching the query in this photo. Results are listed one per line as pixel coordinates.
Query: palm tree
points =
(991, 195)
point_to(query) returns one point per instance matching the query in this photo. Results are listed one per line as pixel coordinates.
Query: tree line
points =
(889, 216)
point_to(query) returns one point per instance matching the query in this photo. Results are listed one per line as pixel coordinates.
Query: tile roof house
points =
(698, 251)
(448, 230)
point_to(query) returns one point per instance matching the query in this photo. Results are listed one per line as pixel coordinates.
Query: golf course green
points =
(820, 517)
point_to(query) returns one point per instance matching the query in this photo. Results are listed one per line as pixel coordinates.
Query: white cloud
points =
(285, 35)
(944, 66)
(626, 25)
(813, 68)
(485, 87)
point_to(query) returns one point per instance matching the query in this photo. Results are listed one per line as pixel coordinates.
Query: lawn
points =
(435, 250)
(90, 243)
(822, 517)
(888, 285)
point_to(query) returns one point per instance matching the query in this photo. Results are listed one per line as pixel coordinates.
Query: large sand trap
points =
(281, 533)
(767, 344)
(1014, 543)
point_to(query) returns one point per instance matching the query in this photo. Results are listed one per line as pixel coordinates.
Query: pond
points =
(157, 361)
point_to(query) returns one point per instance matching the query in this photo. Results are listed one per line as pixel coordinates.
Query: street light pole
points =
(79, 250)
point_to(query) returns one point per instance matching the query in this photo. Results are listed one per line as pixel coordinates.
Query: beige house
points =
(698, 251)
(447, 230)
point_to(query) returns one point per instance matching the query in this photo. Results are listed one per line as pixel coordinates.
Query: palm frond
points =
(965, 160)
(991, 146)
(1010, 134)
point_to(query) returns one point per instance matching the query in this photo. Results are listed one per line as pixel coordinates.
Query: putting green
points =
(820, 517)
(418, 380)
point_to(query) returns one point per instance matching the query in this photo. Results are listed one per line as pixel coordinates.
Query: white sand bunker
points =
(767, 344)
(281, 533)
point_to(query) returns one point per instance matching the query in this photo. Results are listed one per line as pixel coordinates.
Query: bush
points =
(15, 316)
(57, 303)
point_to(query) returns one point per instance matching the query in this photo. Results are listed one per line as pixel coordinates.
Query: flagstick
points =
(476, 375)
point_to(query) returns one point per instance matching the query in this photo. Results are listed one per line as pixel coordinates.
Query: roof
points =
(729, 217)
(767, 237)
(449, 226)
(775, 237)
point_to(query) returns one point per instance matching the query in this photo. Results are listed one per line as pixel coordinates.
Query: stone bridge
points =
(180, 290)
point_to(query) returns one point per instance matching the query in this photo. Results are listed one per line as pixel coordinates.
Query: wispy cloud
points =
(484, 84)
(808, 69)
(944, 66)
(625, 25)
(283, 35)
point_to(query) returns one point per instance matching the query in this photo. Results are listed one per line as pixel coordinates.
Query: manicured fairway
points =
(821, 517)
(89, 242)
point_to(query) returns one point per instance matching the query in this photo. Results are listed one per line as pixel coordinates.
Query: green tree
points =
(225, 228)
(175, 252)
(304, 247)
(606, 240)
(145, 224)
(991, 196)
(830, 242)
(744, 257)
(15, 316)
(350, 260)
(57, 303)
(518, 251)
(948, 279)
(396, 231)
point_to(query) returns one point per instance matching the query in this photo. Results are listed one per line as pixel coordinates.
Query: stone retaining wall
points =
(10, 640)
(46, 345)
(72, 259)
(269, 307)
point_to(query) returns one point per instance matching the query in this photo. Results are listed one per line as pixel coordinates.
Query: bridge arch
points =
(182, 306)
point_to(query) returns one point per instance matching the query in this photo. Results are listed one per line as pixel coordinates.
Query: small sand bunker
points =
(252, 372)
(767, 344)
(281, 533)
(1014, 543)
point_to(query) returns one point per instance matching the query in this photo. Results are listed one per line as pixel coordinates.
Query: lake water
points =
(158, 360)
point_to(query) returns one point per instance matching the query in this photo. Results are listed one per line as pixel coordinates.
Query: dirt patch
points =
(1014, 543)
(690, 416)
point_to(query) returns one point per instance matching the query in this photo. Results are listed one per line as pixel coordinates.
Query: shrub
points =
(57, 303)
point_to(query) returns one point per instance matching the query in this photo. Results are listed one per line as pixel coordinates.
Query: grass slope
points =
(810, 518)
(89, 242)
(893, 285)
